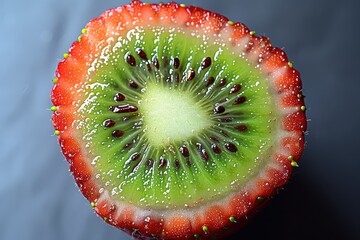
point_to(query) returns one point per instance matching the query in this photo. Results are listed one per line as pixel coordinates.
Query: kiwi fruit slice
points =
(163, 119)
(175, 124)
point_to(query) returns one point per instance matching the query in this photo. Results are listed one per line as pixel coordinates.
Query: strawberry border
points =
(211, 219)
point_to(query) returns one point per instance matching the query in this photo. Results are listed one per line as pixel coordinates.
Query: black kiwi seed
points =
(206, 63)
(142, 54)
(123, 108)
(131, 60)
(210, 81)
(184, 151)
(239, 100)
(216, 148)
(202, 151)
(191, 75)
(148, 67)
(241, 128)
(176, 63)
(117, 133)
(231, 147)
(223, 100)
(150, 162)
(133, 84)
(235, 89)
(177, 77)
(135, 156)
(108, 123)
(188, 163)
(222, 82)
(225, 119)
(215, 139)
(219, 109)
(177, 163)
(156, 63)
(223, 133)
(128, 145)
(119, 97)
(165, 61)
(162, 162)
(204, 154)
(199, 146)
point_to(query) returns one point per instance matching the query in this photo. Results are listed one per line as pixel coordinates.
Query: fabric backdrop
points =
(38, 196)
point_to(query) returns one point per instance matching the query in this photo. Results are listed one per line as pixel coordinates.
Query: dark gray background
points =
(38, 197)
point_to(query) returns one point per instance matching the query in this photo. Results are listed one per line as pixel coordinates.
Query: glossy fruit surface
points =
(150, 62)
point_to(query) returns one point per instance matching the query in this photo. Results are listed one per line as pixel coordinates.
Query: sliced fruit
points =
(175, 121)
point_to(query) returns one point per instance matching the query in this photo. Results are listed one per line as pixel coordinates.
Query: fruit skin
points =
(213, 220)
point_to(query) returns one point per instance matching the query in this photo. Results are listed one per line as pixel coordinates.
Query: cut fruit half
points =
(175, 121)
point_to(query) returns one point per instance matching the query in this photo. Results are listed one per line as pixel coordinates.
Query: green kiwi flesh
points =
(173, 119)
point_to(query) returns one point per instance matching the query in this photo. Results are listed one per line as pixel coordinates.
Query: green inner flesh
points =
(141, 156)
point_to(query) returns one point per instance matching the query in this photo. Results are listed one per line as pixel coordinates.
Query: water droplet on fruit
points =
(95, 160)
(114, 191)
(147, 219)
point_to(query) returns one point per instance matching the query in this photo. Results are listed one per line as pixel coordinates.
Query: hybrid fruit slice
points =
(175, 121)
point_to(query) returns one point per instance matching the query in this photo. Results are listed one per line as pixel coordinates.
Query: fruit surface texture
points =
(176, 122)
